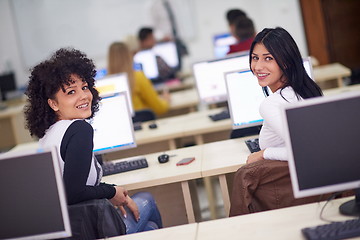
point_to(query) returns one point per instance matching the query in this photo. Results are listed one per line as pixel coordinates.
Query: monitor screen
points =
(147, 58)
(244, 99)
(32, 203)
(210, 80)
(115, 83)
(113, 127)
(7, 84)
(221, 43)
(322, 137)
(308, 67)
(100, 73)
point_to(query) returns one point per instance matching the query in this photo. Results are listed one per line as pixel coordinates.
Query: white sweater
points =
(271, 136)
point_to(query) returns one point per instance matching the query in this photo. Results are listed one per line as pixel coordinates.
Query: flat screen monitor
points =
(244, 99)
(308, 67)
(147, 58)
(113, 127)
(100, 73)
(322, 140)
(32, 203)
(7, 84)
(111, 84)
(210, 80)
(221, 43)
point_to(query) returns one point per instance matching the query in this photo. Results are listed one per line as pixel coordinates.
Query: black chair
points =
(143, 116)
(243, 132)
(95, 219)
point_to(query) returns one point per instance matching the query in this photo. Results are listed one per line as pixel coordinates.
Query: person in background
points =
(61, 97)
(147, 41)
(244, 33)
(144, 95)
(277, 63)
(231, 16)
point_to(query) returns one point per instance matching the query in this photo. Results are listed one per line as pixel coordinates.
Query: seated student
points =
(231, 16)
(277, 63)
(61, 96)
(144, 96)
(244, 32)
(147, 41)
(264, 183)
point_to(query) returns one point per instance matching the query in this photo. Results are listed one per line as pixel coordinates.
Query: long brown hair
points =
(120, 60)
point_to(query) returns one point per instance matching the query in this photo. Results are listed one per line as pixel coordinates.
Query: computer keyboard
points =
(114, 167)
(334, 230)
(253, 145)
(220, 116)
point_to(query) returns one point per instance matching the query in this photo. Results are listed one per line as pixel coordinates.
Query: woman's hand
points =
(133, 208)
(256, 156)
(120, 197)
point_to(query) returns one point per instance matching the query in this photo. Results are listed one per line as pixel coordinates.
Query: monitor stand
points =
(352, 207)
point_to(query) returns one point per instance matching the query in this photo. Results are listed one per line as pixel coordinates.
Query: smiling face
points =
(74, 102)
(266, 69)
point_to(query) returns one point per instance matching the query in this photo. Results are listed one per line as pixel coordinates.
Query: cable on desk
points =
(332, 197)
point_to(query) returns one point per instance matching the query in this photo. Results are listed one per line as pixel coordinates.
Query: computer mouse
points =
(152, 126)
(163, 158)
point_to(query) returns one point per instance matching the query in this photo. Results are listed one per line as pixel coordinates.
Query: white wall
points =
(24, 30)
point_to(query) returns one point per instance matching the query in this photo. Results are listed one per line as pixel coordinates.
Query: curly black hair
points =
(47, 78)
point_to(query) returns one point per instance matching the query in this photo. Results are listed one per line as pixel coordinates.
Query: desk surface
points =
(161, 174)
(184, 99)
(182, 232)
(285, 223)
(330, 71)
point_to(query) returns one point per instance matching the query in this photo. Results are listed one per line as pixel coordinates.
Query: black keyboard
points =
(253, 145)
(334, 230)
(220, 116)
(111, 167)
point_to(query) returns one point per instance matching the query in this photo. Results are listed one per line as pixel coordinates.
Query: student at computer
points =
(244, 32)
(147, 41)
(276, 62)
(231, 16)
(61, 95)
(143, 93)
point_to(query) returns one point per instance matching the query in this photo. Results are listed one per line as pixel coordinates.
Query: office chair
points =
(243, 132)
(143, 116)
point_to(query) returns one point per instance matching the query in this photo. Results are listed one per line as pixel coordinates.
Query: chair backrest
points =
(95, 219)
(144, 116)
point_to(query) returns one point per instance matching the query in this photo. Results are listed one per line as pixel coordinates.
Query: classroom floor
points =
(204, 203)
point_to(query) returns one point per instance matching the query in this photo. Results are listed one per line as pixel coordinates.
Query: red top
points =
(241, 46)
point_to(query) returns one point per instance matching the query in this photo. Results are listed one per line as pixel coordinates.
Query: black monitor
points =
(7, 84)
(322, 140)
(32, 203)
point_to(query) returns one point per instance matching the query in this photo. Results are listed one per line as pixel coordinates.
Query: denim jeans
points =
(150, 217)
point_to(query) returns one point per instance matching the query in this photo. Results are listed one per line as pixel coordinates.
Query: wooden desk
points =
(334, 91)
(12, 127)
(184, 99)
(161, 174)
(331, 72)
(182, 232)
(220, 158)
(285, 223)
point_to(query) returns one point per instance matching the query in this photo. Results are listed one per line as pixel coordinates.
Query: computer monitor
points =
(308, 67)
(221, 43)
(210, 80)
(111, 84)
(100, 73)
(147, 58)
(244, 99)
(7, 84)
(33, 202)
(322, 140)
(113, 127)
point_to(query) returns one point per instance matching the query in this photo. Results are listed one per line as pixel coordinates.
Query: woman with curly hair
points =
(61, 95)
